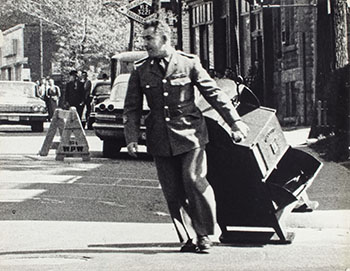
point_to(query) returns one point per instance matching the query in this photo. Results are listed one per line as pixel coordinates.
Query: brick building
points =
(23, 56)
(295, 61)
(210, 31)
(273, 44)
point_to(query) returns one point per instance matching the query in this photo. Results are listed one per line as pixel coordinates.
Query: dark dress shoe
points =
(189, 247)
(203, 242)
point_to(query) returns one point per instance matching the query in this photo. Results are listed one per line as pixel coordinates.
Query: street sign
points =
(138, 10)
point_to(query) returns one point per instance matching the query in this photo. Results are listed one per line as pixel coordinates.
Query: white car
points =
(19, 105)
(108, 124)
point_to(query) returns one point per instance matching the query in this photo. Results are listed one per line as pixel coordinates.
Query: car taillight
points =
(110, 107)
(102, 107)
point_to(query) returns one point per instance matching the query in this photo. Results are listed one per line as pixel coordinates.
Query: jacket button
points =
(167, 119)
(165, 94)
(164, 81)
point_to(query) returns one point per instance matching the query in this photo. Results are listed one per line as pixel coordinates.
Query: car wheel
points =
(37, 126)
(111, 148)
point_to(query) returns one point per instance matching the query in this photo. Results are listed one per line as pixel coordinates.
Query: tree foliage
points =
(86, 31)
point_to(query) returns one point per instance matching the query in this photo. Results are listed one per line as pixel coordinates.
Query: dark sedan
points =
(101, 90)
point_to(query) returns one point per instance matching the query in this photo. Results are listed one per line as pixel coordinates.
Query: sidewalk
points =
(50, 245)
(37, 235)
(296, 137)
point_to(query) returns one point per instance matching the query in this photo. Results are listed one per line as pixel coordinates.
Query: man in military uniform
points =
(176, 131)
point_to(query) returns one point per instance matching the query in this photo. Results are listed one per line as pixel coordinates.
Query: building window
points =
(14, 46)
(202, 13)
(277, 35)
(291, 99)
(9, 74)
(211, 45)
(11, 49)
(256, 22)
(202, 40)
(288, 36)
(246, 7)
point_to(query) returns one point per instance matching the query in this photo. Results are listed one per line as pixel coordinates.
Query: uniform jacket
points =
(174, 125)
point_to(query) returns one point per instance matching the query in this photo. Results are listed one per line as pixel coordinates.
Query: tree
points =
(86, 31)
(333, 79)
(340, 33)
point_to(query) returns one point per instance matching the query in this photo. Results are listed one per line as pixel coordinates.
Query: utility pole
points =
(131, 36)
(156, 5)
(179, 25)
(41, 48)
(1, 38)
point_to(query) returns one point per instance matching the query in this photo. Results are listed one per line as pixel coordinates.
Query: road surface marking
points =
(11, 181)
(73, 180)
(18, 195)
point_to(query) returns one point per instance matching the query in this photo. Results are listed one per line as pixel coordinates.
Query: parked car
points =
(109, 119)
(101, 89)
(19, 105)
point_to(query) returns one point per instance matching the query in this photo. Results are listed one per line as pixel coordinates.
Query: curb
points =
(325, 219)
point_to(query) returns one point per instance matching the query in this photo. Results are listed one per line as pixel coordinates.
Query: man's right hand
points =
(132, 149)
(239, 131)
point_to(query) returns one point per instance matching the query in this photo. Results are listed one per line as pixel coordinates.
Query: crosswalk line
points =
(18, 195)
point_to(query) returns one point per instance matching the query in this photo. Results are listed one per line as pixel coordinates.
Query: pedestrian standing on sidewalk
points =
(42, 88)
(74, 94)
(87, 95)
(43, 94)
(53, 94)
(176, 131)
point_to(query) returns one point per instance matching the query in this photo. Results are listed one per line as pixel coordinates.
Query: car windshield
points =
(102, 90)
(17, 89)
(119, 91)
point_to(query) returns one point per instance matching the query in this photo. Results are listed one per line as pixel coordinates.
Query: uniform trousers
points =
(189, 196)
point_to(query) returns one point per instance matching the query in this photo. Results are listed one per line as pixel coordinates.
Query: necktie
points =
(160, 62)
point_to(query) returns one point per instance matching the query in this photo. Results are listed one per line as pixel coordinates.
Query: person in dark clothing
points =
(75, 93)
(87, 94)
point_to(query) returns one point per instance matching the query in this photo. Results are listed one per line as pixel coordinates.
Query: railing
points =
(321, 109)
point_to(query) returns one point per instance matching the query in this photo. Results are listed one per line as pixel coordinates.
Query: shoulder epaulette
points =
(186, 54)
(140, 61)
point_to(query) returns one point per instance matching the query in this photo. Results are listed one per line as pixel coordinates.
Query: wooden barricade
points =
(73, 141)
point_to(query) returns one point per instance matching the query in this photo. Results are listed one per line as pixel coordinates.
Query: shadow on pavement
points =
(137, 248)
(92, 251)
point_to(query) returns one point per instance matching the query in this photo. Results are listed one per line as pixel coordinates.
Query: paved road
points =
(110, 215)
(39, 188)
